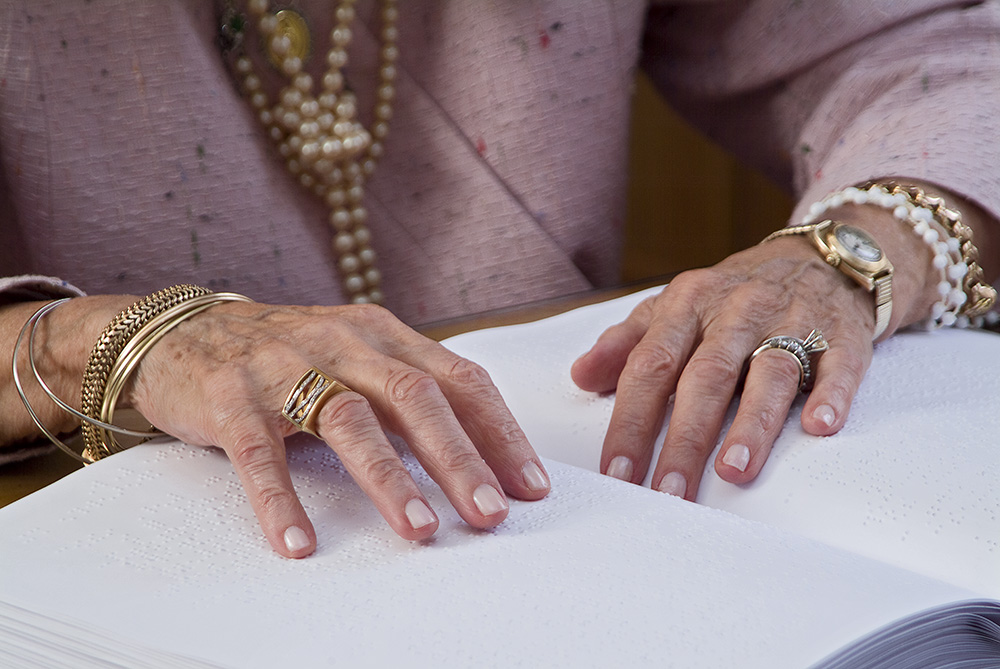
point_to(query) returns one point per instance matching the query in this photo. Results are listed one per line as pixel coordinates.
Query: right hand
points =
(221, 379)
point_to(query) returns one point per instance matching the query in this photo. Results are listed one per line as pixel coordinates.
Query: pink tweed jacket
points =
(130, 161)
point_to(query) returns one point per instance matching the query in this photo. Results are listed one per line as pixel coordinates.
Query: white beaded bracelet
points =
(946, 248)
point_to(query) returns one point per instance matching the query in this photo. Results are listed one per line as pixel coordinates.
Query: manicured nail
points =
(296, 539)
(673, 484)
(534, 477)
(488, 500)
(620, 468)
(825, 414)
(737, 456)
(418, 513)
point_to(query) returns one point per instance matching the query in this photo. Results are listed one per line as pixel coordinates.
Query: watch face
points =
(859, 243)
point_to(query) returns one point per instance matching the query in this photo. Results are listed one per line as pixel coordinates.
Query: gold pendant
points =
(292, 26)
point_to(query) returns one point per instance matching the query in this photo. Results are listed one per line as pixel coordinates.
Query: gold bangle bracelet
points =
(110, 345)
(140, 344)
(981, 295)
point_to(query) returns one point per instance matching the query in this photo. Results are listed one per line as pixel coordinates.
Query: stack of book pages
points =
(876, 547)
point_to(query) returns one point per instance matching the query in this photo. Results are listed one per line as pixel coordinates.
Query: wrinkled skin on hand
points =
(222, 377)
(691, 343)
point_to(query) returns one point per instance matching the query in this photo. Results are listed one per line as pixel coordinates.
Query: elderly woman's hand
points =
(693, 340)
(222, 377)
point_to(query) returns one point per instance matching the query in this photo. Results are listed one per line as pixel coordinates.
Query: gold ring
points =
(308, 396)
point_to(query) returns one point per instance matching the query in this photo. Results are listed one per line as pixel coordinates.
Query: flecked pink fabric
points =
(130, 160)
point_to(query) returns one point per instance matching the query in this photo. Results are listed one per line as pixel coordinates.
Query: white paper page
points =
(159, 546)
(912, 479)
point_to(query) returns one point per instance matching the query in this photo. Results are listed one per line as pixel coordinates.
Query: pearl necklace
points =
(318, 134)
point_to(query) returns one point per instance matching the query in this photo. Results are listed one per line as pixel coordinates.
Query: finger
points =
(838, 376)
(771, 386)
(347, 423)
(704, 392)
(257, 451)
(646, 384)
(476, 403)
(485, 418)
(598, 369)
(410, 403)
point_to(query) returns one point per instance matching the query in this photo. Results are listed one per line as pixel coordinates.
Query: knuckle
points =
(461, 460)
(766, 418)
(714, 364)
(510, 432)
(777, 367)
(274, 499)
(632, 426)
(467, 373)
(651, 357)
(692, 280)
(372, 315)
(409, 385)
(688, 441)
(383, 472)
(252, 455)
(347, 412)
(853, 365)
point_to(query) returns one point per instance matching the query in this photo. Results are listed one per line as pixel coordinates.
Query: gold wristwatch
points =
(856, 254)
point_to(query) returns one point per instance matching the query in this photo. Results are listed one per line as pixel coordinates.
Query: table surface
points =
(22, 478)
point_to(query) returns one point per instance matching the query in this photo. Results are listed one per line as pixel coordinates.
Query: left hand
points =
(692, 341)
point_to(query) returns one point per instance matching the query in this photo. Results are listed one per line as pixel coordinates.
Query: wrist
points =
(964, 296)
(914, 284)
(62, 343)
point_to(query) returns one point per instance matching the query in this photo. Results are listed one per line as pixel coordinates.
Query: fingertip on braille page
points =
(418, 513)
(674, 484)
(737, 457)
(296, 539)
(620, 468)
(534, 477)
(488, 500)
(825, 414)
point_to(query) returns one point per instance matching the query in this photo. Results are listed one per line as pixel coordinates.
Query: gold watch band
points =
(883, 304)
(878, 284)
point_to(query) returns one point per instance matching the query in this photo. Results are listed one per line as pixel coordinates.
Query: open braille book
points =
(876, 547)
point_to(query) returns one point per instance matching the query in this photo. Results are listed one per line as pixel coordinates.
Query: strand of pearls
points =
(947, 258)
(319, 135)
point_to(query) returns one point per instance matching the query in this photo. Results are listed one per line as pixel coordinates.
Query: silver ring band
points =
(801, 350)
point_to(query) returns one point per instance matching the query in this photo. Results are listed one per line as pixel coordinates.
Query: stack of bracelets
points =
(116, 355)
(965, 298)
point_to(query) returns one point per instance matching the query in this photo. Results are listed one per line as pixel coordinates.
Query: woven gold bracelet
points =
(107, 350)
(981, 295)
(137, 347)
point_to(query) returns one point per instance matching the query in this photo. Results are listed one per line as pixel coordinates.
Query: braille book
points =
(876, 547)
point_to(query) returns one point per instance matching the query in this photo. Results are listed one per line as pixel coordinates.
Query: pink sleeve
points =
(823, 95)
(31, 287)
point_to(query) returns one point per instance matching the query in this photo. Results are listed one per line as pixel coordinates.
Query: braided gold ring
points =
(308, 396)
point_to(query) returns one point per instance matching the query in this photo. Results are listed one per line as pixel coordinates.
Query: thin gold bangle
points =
(113, 339)
(140, 344)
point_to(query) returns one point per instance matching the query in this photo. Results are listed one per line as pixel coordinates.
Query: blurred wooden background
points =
(674, 169)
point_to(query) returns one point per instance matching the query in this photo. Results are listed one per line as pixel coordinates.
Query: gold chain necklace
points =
(318, 134)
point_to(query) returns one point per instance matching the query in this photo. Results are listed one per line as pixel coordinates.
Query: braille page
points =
(158, 546)
(912, 479)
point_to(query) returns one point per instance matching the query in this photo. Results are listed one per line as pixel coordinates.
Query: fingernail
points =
(673, 484)
(620, 468)
(296, 539)
(534, 477)
(418, 513)
(737, 456)
(824, 413)
(488, 500)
